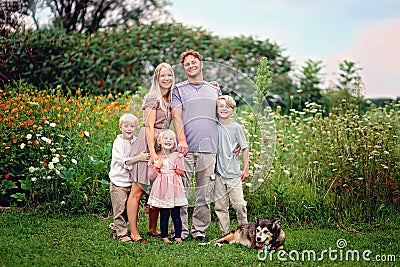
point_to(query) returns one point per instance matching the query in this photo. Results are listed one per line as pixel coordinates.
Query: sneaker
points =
(200, 238)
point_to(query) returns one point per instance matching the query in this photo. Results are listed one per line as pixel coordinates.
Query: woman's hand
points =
(153, 157)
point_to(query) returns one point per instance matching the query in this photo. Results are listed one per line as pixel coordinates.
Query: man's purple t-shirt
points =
(198, 103)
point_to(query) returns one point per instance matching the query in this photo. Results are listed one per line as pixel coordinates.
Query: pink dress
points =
(167, 190)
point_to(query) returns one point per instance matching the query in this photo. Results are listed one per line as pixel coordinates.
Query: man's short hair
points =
(188, 53)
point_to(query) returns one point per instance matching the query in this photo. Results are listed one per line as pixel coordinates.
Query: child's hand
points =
(245, 175)
(158, 163)
(143, 156)
(180, 155)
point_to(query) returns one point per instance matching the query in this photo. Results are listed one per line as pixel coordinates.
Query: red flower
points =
(7, 176)
(44, 162)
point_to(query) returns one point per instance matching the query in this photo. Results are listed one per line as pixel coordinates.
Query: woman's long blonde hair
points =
(155, 90)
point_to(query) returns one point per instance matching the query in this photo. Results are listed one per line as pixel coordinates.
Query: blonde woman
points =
(156, 117)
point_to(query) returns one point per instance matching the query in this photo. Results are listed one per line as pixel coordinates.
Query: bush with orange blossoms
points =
(61, 155)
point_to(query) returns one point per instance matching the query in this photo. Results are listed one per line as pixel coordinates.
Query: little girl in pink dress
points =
(167, 192)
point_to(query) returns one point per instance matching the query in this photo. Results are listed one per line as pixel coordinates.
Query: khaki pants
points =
(229, 190)
(119, 196)
(202, 166)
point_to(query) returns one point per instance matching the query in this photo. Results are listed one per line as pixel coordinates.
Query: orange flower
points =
(66, 110)
(35, 142)
(44, 162)
(14, 141)
(81, 134)
(47, 105)
(30, 122)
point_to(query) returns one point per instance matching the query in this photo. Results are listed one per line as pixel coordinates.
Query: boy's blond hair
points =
(128, 117)
(230, 102)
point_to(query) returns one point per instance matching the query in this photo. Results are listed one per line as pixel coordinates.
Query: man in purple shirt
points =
(194, 116)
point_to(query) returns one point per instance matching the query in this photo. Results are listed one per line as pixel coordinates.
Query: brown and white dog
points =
(257, 235)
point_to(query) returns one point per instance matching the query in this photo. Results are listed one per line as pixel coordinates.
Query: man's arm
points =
(179, 130)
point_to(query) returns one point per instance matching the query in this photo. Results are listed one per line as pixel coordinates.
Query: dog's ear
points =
(258, 220)
(275, 222)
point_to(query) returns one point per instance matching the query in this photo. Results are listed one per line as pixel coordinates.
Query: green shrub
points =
(341, 168)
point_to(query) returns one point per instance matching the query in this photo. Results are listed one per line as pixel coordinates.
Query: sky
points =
(366, 32)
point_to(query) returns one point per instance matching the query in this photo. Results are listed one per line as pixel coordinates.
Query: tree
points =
(348, 92)
(310, 82)
(90, 16)
(11, 15)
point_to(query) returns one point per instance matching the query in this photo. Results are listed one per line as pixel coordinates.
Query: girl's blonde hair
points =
(155, 90)
(128, 117)
(160, 137)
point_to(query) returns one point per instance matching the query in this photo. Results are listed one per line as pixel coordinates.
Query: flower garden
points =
(328, 168)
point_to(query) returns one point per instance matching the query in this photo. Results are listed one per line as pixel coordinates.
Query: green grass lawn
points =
(30, 239)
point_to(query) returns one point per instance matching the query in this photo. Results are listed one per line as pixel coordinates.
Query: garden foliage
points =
(119, 59)
(56, 152)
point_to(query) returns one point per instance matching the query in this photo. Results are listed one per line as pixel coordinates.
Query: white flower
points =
(45, 139)
(55, 160)
(74, 161)
(249, 185)
(52, 124)
(51, 165)
(315, 162)
(22, 146)
(33, 179)
(32, 169)
(286, 172)
(86, 133)
(62, 202)
(260, 180)
(28, 137)
(53, 150)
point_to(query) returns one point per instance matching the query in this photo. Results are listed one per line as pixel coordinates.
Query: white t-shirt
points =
(119, 171)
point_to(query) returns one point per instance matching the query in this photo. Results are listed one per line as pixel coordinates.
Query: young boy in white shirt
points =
(120, 180)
